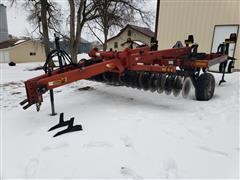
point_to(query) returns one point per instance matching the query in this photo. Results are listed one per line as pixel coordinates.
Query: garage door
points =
(4, 57)
(222, 32)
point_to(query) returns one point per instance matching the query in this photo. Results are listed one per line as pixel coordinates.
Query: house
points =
(21, 50)
(130, 36)
(211, 22)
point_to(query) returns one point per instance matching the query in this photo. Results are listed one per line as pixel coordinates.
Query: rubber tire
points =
(230, 67)
(205, 87)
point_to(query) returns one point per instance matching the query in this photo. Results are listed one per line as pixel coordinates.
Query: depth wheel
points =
(230, 67)
(205, 87)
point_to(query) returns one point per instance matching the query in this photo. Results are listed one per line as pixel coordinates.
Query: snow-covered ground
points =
(127, 133)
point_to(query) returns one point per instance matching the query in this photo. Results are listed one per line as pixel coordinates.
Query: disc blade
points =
(151, 83)
(161, 83)
(128, 78)
(177, 87)
(140, 79)
(169, 84)
(115, 79)
(124, 79)
(186, 87)
(107, 77)
(155, 82)
(145, 81)
(132, 79)
(99, 78)
(136, 80)
(121, 79)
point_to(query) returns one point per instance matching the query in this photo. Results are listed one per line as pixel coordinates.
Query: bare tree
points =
(44, 20)
(117, 13)
(44, 15)
(81, 12)
(105, 13)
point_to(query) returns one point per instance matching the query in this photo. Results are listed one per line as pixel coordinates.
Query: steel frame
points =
(184, 61)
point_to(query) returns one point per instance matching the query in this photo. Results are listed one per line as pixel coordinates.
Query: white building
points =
(131, 34)
(210, 21)
(21, 51)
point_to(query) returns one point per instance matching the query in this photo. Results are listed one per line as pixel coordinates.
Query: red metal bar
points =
(64, 78)
(164, 69)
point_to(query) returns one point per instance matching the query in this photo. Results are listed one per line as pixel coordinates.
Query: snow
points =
(83, 56)
(138, 42)
(127, 133)
(20, 41)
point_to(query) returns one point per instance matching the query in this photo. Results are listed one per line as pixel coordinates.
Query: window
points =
(116, 45)
(32, 54)
(129, 40)
(129, 32)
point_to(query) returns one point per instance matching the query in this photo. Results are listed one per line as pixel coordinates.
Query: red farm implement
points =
(146, 68)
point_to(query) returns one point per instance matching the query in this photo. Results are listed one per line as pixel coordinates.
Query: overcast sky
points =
(19, 26)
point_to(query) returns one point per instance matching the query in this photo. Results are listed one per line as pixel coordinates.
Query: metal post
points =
(52, 103)
(60, 63)
(58, 49)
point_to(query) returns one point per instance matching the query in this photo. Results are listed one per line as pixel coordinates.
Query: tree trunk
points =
(74, 52)
(105, 44)
(45, 26)
(76, 24)
(76, 45)
(72, 30)
(80, 23)
(105, 40)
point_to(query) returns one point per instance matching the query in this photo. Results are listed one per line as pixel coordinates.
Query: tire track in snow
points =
(128, 143)
(31, 168)
(212, 151)
(95, 144)
(170, 169)
(55, 147)
(129, 173)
